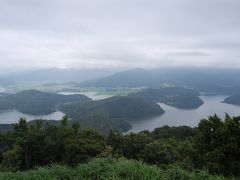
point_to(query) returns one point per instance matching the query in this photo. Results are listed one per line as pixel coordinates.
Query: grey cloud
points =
(189, 53)
(119, 33)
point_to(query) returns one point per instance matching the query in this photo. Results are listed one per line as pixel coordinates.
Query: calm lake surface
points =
(179, 117)
(93, 95)
(12, 116)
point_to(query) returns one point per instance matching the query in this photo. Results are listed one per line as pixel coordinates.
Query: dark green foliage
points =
(98, 122)
(134, 143)
(175, 96)
(163, 146)
(37, 102)
(217, 145)
(160, 153)
(180, 133)
(41, 144)
(104, 124)
(214, 145)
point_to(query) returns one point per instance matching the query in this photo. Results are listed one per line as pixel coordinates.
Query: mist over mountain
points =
(57, 75)
(194, 77)
(218, 79)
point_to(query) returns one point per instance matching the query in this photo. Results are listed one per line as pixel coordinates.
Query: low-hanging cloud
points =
(119, 33)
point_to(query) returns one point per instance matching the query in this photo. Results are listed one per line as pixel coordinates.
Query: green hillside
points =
(234, 99)
(175, 96)
(111, 113)
(37, 102)
(114, 108)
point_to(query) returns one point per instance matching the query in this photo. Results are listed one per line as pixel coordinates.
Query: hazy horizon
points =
(113, 34)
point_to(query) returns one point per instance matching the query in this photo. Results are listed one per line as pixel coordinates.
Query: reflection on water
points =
(93, 95)
(12, 116)
(178, 117)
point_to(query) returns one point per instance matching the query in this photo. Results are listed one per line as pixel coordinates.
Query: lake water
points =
(171, 117)
(179, 117)
(93, 95)
(12, 116)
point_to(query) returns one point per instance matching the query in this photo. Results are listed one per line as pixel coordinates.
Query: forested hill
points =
(233, 99)
(175, 96)
(37, 102)
(118, 107)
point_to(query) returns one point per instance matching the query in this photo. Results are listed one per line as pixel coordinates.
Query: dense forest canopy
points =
(213, 145)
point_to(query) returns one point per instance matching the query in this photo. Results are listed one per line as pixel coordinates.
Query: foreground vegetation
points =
(108, 168)
(214, 146)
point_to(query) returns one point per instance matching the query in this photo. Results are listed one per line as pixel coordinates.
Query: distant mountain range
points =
(201, 78)
(193, 77)
(56, 75)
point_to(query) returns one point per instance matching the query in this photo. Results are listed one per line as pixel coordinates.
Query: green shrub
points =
(108, 168)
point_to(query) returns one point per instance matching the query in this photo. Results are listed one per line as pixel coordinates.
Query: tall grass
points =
(107, 168)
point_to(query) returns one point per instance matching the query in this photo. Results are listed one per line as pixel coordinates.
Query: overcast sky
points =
(119, 33)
